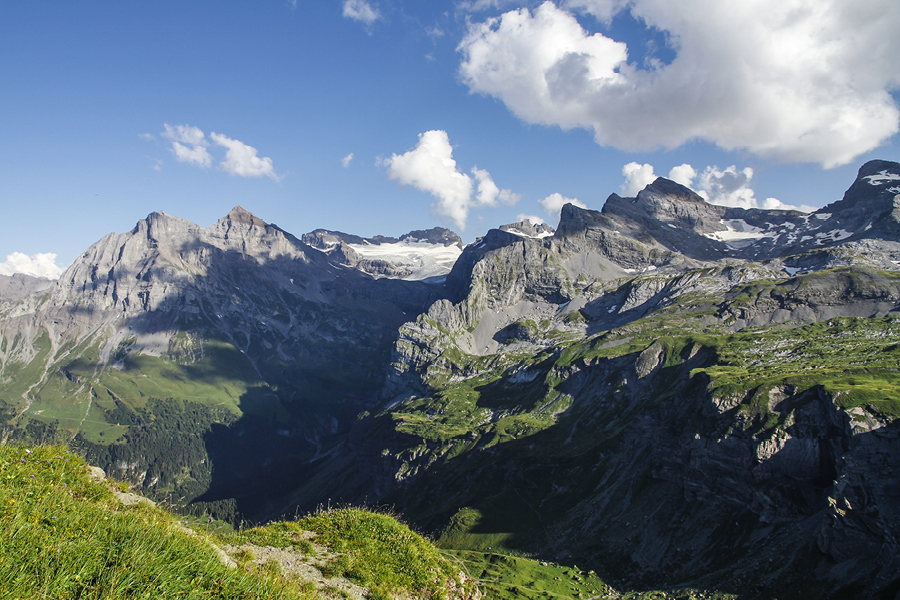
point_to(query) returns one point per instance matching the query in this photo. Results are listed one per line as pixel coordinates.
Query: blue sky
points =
(382, 116)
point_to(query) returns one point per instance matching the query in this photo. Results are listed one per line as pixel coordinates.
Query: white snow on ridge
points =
(882, 177)
(823, 216)
(424, 259)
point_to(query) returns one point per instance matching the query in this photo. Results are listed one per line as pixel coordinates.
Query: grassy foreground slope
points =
(64, 535)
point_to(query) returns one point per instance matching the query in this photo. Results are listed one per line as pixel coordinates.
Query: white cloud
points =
(188, 144)
(241, 159)
(346, 160)
(431, 168)
(728, 187)
(185, 134)
(36, 265)
(488, 193)
(794, 80)
(554, 202)
(637, 177)
(483, 5)
(149, 137)
(731, 187)
(534, 219)
(683, 174)
(360, 10)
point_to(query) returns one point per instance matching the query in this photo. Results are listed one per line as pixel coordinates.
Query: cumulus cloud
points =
(534, 219)
(346, 160)
(483, 5)
(241, 159)
(37, 265)
(728, 187)
(683, 174)
(431, 168)
(360, 10)
(554, 202)
(188, 144)
(793, 80)
(488, 193)
(637, 177)
(731, 187)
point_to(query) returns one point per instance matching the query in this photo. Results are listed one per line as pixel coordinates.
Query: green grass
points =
(511, 577)
(377, 551)
(64, 536)
(506, 577)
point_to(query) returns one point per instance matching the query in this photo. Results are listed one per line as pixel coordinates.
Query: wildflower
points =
(28, 451)
(32, 476)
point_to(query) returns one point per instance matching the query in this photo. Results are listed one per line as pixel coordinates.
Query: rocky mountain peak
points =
(436, 235)
(667, 202)
(239, 214)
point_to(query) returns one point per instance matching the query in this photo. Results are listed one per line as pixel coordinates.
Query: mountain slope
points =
(674, 393)
(165, 334)
(710, 420)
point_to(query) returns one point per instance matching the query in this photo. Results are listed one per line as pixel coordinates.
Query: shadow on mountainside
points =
(299, 347)
(658, 484)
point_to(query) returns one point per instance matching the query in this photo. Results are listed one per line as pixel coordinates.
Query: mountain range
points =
(668, 391)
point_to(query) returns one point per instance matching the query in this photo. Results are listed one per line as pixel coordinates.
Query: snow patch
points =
(882, 177)
(834, 235)
(823, 216)
(738, 233)
(792, 270)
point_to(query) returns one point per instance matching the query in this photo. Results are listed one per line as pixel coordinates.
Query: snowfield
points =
(424, 259)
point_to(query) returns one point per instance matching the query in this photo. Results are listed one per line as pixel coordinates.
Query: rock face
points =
(675, 393)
